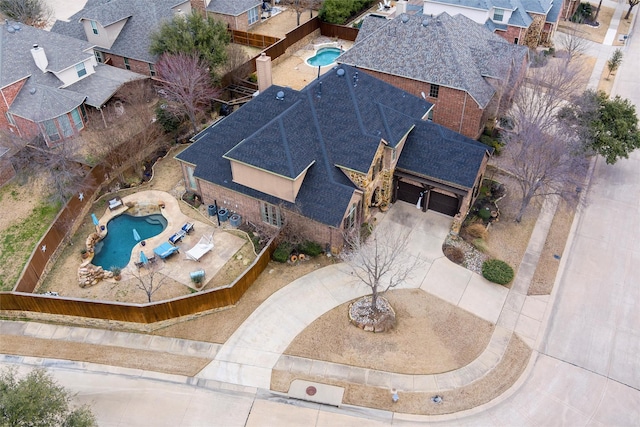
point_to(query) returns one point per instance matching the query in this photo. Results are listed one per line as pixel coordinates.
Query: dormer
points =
(103, 34)
(500, 15)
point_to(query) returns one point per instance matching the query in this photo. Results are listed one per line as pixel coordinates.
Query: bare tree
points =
(185, 82)
(35, 13)
(61, 165)
(632, 4)
(545, 90)
(299, 6)
(149, 279)
(236, 56)
(544, 165)
(572, 42)
(381, 262)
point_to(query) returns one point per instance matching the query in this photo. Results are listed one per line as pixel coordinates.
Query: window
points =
(84, 113)
(498, 15)
(152, 70)
(433, 90)
(192, 180)
(515, 41)
(81, 70)
(350, 220)
(51, 130)
(126, 64)
(94, 27)
(77, 120)
(98, 56)
(271, 214)
(65, 125)
(254, 14)
(10, 119)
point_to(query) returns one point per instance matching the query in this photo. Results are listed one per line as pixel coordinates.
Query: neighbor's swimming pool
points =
(324, 56)
(115, 249)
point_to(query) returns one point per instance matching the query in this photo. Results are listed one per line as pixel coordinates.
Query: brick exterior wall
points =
(7, 172)
(453, 108)
(136, 66)
(249, 209)
(240, 22)
(511, 34)
(7, 96)
(199, 5)
(569, 7)
(28, 129)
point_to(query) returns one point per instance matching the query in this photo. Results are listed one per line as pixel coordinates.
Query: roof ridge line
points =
(285, 143)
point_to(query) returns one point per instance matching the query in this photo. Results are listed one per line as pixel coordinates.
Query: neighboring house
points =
(238, 14)
(530, 22)
(46, 79)
(465, 70)
(327, 156)
(120, 30)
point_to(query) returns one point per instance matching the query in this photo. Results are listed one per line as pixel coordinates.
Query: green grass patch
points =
(17, 242)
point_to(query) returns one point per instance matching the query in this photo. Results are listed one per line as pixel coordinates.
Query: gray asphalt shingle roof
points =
(38, 102)
(232, 7)
(16, 61)
(336, 121)
(100, 86)
(435, 152)
(143, 18)
(445, 51)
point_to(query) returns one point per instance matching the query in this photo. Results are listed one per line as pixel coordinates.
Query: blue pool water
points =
(115, 249)
(324, 56)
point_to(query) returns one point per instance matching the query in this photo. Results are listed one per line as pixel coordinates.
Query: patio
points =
(177, 267)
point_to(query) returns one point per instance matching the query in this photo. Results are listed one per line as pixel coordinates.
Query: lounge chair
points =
(115, 203)
(202, 247)
(188, 227)
(177, 237)
(165, 250)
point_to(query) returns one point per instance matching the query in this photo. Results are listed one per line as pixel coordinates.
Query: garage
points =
(442, 203)
(408, 192)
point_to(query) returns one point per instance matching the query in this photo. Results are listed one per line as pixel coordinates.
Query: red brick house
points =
(518, 21)
(47, 80)
(331, 154)
(120, 30)
(238, 14)
(460, 66)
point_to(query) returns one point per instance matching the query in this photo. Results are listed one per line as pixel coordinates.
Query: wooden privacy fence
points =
(141, 313)
(279, 47)
(252, 39)
(56, 233)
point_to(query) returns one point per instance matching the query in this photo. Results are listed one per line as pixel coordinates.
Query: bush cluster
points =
(492, 142)
(339, 11)
(497, 271)
(282, 252)
(285, 249)
(454, 254)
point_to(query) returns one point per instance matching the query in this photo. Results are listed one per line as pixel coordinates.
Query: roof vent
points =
(425, 23)
(280, 95)
(438, 22)
(17, 27)
(340, 72)
(32, 91)
(10, 29)
(319, 94)
(404, 18)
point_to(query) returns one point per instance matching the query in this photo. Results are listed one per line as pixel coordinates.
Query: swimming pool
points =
(325, 56)
(115, 249)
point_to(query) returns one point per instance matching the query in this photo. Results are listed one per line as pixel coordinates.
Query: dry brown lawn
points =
(431, 336)
(102, 354)
(592, 33)
(475, 394)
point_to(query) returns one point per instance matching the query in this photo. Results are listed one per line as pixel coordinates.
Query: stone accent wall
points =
(136, 66)
(453, 108)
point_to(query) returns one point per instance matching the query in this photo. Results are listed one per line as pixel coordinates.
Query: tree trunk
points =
(595, 18)
(629, 11)
(374, 300)
(523, 207)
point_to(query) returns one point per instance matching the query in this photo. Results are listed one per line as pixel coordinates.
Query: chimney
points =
(40, 57)
(401, 7)
(263, 70)
(199, 5)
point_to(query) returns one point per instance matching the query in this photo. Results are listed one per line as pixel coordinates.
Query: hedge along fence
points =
(142, 313)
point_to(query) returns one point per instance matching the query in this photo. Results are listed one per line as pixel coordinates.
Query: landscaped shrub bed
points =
(282, 252)
(497, 271)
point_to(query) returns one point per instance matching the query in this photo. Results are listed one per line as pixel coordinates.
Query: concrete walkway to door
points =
(251, 353)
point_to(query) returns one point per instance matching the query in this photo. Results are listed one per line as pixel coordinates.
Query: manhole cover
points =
(311, 390)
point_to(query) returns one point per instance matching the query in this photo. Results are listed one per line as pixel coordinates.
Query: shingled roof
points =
(337, 122)
(143, 18)
(232, 7)
(448, 51)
